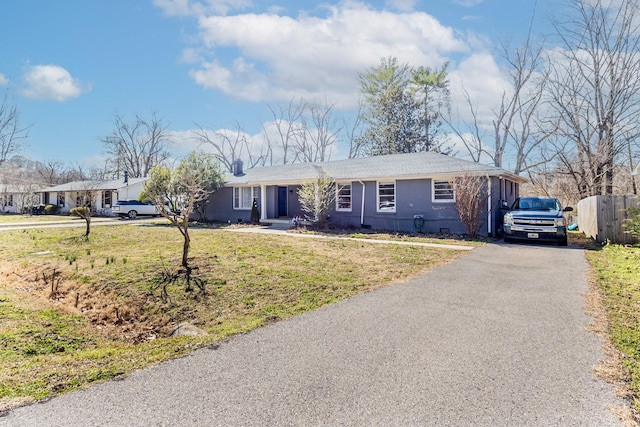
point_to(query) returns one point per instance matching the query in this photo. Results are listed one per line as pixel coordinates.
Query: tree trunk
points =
(185, 248)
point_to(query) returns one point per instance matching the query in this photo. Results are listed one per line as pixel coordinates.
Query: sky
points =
(71, 66)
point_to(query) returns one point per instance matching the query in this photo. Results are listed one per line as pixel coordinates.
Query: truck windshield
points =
(536, 204)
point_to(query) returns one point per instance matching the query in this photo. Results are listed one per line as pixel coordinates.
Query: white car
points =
(134, 208)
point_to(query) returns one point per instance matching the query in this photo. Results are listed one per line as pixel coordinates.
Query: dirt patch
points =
(52, 286)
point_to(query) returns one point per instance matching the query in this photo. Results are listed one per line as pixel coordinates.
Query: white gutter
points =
(489, 208)
(362, 208)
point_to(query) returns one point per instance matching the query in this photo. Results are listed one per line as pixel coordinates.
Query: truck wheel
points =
(563, 241)
(132, 214)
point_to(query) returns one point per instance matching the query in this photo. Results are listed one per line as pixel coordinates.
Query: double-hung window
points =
(243, 197)
(343, 197)
(386, 196)
(443, 191)
(106, 199)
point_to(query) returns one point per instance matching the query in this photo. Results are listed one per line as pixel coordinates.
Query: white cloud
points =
(483, 80)
(196, 8)
(51, 82)
(3, 80)
(467, 3)
(402, 5)
(282, 57)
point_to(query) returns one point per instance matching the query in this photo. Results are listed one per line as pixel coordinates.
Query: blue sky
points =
(72, 65)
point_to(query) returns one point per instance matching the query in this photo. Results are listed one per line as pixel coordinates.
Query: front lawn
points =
(74, 312)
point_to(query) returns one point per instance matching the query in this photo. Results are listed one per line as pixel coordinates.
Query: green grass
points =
(76, 311)
(19, 218)
(617, 272)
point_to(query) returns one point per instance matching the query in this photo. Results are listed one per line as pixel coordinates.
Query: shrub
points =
(316, 199)
(81, 211)
(255, 213)
(632, 224)
(52, 209)
(471, 196)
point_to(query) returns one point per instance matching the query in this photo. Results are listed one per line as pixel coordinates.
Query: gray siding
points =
(221, 209)
(413, 197)
(293, 202)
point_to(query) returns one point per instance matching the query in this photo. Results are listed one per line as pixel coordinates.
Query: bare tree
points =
(286, 121)
(51, 172)
(12, 133)
(515, 125)
(137, 146)
(85, 200)
(353, 132)
(190, 183)
(228, 146)
(471, 198)
(595, 88)
(470, 132)
(319, 133)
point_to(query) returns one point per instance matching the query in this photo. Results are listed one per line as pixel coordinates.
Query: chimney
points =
(237, 168)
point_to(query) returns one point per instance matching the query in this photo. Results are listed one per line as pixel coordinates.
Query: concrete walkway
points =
(73, 222)
(496, 338)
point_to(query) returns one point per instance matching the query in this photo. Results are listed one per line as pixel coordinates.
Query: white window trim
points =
(255, 194)
(342, 184)
(433, 192)
(395, 197)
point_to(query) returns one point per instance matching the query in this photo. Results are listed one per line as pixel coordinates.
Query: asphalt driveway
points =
(496, 338)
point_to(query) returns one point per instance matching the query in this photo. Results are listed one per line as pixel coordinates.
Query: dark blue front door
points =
(282, 201)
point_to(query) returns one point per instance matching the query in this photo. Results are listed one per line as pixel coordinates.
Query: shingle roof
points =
(93, 185)
(396, 166)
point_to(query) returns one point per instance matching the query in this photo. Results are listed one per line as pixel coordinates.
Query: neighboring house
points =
(17, 198)
(101, 194)
(400, 192)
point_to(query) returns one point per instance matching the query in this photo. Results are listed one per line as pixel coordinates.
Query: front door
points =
(282, 201)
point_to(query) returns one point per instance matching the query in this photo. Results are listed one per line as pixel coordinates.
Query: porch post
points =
(263, 202)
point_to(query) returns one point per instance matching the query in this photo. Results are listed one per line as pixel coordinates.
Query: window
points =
(106, 199)
(243, 197)
(343, 197)
(60, 199)
(443, 191)
(386, 196)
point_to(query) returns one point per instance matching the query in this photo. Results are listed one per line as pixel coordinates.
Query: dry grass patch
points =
(438, 239)
(73, 312)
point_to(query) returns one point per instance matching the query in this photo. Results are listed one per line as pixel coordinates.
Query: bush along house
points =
(399, 192)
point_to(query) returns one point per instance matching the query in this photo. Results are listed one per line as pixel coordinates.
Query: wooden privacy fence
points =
(602, 218)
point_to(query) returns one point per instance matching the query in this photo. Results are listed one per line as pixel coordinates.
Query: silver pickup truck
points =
(536, 219)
